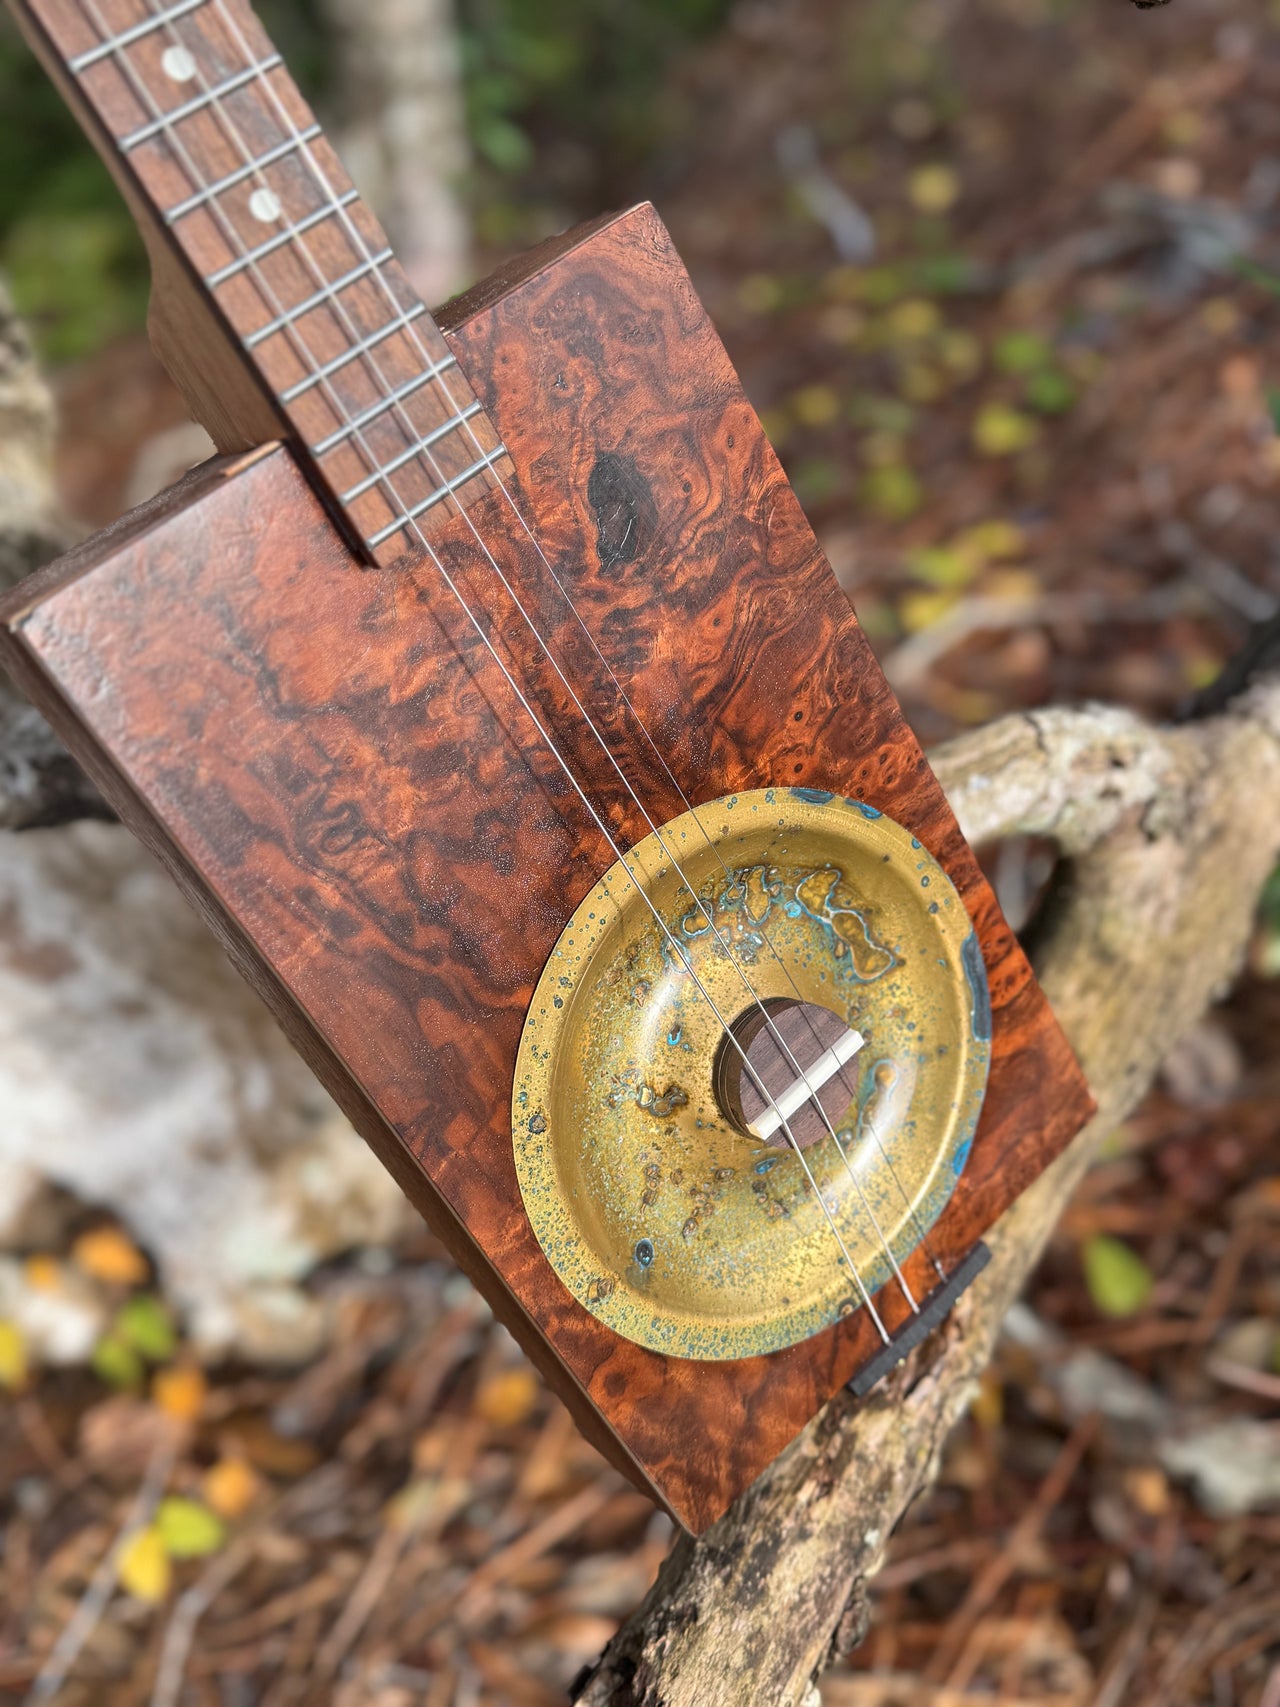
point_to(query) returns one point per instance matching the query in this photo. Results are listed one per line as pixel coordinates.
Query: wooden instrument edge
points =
(476, 332)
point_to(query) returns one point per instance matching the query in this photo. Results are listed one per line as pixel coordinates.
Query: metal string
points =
(374, 466)
(423, 449)
(407, 323)
(410, 523)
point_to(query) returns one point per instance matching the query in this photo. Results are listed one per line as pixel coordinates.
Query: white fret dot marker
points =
(177, 63)
(265, 205)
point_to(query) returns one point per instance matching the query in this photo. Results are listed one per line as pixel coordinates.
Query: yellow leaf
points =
(941, 566)
(1148, 1488)
(13, 1356)
(508, 1396)
(988, 542)
(921, 383)
(1220, 315)
(42, 1272)
(960, 352)
(109, 1255)
(188, 1529)
(760, 293)
(988, 1408)
(912, 319)
(1017, 585)
(933, 189)
(230, 1487)
(891, 492)
(143, 1566)
(920, 610)
(1002, 431)
(777, 426)
(815, 405)
(180, 1392)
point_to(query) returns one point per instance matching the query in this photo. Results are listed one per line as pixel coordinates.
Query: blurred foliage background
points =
(1003, 279)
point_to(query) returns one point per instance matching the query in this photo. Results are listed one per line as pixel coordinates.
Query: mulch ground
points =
(1035, 427)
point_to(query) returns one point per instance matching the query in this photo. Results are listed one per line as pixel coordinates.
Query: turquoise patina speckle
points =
(976, 973)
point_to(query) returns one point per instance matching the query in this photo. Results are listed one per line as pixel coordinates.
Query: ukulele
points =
(493, 701)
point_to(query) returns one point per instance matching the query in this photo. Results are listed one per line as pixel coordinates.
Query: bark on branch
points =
(1167, 837)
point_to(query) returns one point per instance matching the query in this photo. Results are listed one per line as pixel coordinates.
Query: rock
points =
(140, 1073)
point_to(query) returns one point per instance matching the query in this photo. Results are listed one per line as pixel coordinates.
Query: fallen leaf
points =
(181, 1391)
(188, 1529)
(230, 1487)
(143, 1566)
(116, 1362)
(892, 492)
(1118, 1280)
(508, 1397)
(42, 1272)
(815, 405)
(1050, 391)
(921, 610)
(13, 1356)
(933, 189)
(999, 430)
(1020, 351)
(147, 1325)
(109, 1255)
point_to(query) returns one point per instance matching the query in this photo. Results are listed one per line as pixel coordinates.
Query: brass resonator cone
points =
(654, 1201)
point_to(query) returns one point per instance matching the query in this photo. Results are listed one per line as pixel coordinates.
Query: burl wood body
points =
(342, 780)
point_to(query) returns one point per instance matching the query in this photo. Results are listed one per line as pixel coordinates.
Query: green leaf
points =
(145, 1324)
(116, 1362)
(999, 430)
(1119, 1281)
(891, 493)
(1050, 391)
(189, 1529)
(1021, 352)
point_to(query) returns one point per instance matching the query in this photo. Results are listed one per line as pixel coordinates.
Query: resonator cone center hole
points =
(799, 1066)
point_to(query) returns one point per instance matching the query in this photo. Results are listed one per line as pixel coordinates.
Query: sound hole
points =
(805, 1034)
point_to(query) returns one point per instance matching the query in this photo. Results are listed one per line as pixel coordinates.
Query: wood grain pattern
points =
(338, 772)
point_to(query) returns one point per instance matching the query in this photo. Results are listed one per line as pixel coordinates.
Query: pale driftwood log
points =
(1167, 837)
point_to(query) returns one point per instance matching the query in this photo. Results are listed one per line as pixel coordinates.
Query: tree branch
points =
(1168, 835)
(39, 781)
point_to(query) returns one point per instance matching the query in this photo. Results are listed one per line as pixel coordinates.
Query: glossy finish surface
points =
(335, 768)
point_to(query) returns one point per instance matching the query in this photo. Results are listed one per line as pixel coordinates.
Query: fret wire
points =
(286, 320)
(487, 460)
(356, 422)
(210, 191)
(362, 348)
(403, 317)
(446, 491)
(154, 21)
(436, 433)
(252, 256)
(198, 102)
(324, 294)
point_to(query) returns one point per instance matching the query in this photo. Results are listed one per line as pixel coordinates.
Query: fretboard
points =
(221, 145)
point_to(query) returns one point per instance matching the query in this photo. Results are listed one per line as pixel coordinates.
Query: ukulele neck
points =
(255, 228)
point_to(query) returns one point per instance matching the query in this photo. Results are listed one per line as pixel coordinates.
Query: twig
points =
(994, 1575)
(190, 1609)
(93, 1602)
